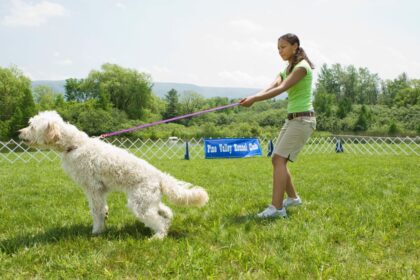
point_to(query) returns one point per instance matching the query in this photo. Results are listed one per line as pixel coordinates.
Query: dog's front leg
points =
(98, 208)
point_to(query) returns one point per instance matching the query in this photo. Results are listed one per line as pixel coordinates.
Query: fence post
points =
(187, 152)
(339, 146)
(270, 148)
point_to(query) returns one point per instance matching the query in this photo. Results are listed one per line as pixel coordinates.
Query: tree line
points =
(347, 100)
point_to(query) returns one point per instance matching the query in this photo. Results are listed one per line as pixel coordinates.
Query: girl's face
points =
(286, 50)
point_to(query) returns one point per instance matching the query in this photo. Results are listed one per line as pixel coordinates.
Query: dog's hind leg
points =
(152, 212)
(98, 208)
(165, 211)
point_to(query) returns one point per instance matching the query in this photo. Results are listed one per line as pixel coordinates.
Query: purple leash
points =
(167, 120)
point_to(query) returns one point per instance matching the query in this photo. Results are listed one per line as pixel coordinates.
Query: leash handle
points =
(167, 120)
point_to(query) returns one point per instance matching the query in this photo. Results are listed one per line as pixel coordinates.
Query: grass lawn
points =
(359, 220)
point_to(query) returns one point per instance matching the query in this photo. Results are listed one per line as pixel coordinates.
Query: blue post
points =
(339, 146)
(187, 152)
(270, 148)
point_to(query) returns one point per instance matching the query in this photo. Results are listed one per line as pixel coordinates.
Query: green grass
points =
(359, 220)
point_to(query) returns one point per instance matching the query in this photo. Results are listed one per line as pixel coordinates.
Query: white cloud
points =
(28, 14)
(120, 5)
(66, 61)
(245, 25)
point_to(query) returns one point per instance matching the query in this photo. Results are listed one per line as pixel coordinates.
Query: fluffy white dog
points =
(100, 168)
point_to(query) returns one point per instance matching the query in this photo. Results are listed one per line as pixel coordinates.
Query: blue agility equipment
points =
(187, 151)
(270, 148)
(339, 146)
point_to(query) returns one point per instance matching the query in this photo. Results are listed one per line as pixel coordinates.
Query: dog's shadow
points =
(57, 234)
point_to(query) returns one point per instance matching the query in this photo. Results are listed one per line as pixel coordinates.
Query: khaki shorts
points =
(293, 136)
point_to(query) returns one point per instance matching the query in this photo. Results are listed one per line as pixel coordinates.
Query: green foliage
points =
(344, 107)
(4, 130)
(128, 90)
(363, 121)
(14, 86)
(323, 103)
(390, 89)
(16, 100)
(393, 129)
(74, 91)
(356, 86)
(46, 99)
(347, 100)
(409, 96)
(172, 107)
(93, 120)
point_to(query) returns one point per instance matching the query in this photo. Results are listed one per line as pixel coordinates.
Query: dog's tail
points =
(182, 193)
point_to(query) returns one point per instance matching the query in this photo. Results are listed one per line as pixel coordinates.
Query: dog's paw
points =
(98, 230)
(158, 236)
(106, 212)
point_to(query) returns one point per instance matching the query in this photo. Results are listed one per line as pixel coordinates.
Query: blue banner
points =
(232, 148)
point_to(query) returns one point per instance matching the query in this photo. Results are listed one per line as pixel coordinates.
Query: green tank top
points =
(300, 95)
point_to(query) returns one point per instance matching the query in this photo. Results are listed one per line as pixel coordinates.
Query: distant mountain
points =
(57, 86)
(161, 89)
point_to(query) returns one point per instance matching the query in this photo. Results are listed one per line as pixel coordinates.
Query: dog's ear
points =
(52, 134)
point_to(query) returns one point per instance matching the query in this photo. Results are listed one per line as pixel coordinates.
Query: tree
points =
(74, 91)
(323, 103)
(13, 86)
(45, 97)
(344, 107)
(127, 89)
(191, 102)
(367, 88)
(328, 79)
(390, 88)
(172, 107)
(409, 96)
(16, 101)
(22, 114)
(362, 123)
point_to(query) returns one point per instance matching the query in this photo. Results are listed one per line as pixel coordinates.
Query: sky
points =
(206, 42)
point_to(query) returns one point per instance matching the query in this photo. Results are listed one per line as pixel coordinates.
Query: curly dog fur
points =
(100, 167)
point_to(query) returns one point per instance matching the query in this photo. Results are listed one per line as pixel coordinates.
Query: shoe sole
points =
(292, 204)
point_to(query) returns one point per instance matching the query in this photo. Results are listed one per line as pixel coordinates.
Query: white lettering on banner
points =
(240, 148)
(211, 149)
(253, 147)
(225, 148)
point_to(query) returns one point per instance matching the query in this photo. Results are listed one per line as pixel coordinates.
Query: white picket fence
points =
(13, 151)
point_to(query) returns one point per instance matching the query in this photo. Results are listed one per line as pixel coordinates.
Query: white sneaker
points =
(271, 212)
(292, 202)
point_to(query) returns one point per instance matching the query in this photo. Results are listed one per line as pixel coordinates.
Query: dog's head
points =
(44, 130)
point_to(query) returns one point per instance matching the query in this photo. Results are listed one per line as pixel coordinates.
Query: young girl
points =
(296, 79)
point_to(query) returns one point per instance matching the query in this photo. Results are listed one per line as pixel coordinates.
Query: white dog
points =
(100, 167)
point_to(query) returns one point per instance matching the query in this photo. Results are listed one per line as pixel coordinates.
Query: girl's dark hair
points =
(300, 53)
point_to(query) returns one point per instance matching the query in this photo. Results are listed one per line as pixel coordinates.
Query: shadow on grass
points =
(252, 218)
(58, 234)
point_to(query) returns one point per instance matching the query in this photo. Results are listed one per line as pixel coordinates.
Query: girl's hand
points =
(247, 101)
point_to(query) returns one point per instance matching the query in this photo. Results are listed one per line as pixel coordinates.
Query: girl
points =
(296, 79)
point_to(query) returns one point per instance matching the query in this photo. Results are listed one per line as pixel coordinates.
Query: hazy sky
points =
(206, 42)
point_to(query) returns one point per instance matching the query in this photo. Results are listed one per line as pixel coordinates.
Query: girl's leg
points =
(290, 188)
(280, 178)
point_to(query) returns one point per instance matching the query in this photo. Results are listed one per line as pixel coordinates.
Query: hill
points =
(162, 88)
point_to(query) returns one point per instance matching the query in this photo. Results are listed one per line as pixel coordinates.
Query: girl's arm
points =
(297, 75)
(274, 84)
